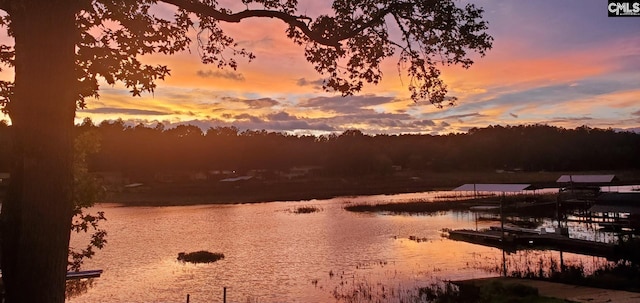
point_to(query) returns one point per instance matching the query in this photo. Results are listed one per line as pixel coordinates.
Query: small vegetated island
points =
(201, 256)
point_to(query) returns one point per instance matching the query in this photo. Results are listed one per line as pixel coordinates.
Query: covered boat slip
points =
(583, 189)
(500, 191)
(611, 210)
(608, 209)
(615, 211)
(509, 198)
(502, 188)
(588, 179)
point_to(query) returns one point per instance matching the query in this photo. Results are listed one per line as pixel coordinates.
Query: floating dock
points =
(513, 240)
(77, 275)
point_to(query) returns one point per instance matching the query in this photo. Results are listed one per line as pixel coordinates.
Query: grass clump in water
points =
(306, 209)
(201, 256)
(410, 207)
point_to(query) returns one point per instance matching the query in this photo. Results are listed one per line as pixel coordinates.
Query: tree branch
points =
(296, 21)
(375, 19)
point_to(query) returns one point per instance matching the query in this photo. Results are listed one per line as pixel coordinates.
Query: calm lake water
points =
(275, 255)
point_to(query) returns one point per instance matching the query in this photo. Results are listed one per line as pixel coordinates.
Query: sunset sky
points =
(562, 63)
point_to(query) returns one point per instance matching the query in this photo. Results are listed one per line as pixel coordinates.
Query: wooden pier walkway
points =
(513, 240)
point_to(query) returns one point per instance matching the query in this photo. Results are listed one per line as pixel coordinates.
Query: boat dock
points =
(77, 275)
(527, 239)
(614, 211)
(485, 238)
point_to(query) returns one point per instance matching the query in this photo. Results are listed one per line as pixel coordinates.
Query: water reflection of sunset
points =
(273, 254)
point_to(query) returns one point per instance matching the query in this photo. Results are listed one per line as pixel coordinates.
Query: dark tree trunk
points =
(36, 215)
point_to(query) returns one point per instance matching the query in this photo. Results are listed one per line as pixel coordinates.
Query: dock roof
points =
(493, 187)
(587, 179)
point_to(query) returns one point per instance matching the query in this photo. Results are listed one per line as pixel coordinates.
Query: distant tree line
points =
(142, 151)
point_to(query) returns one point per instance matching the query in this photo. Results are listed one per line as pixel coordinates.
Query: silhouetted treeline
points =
(143, 152)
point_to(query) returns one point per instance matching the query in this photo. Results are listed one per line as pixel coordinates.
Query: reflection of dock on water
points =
(612, 211)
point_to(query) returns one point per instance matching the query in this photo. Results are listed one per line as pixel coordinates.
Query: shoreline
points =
(568, 292)
(172, 196)
(264, 191)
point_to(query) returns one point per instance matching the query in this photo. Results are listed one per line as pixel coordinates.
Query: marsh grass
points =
(307, 209)
(454, 196)
(620, 275)
(418, 239)
(623, 275)
(409, 207)
(440, 292)
(201, 256)
(366, 291)
(513, 204)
